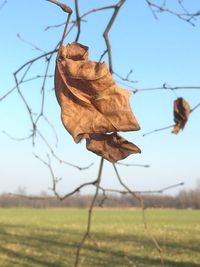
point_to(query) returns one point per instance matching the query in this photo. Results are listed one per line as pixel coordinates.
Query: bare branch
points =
(31, 61)
(78, 20)
(145, 192)
(81, 17)
(87, 233)
(56, 180)
(64, 33)
(140, 199)
(27, 107)
(164, 87)
(93, 183)
(162, 190)
(186, 16)
(108, 27)
(126, 79)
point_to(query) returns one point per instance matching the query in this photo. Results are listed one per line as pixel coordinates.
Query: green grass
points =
(49, 238)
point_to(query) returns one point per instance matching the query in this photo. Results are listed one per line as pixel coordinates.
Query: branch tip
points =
(64, 7)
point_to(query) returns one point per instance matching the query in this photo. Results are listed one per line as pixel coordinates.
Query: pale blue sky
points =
(159, 51)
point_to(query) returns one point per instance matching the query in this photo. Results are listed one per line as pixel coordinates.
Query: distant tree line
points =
(184, 199)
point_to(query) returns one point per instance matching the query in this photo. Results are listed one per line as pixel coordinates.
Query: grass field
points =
(49, 238)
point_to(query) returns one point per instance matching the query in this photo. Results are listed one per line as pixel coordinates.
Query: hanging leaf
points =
(111, 146)
(181, 114)
(92, 105)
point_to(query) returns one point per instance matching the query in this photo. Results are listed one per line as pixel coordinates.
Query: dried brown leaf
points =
(92, 104)
(181, 114)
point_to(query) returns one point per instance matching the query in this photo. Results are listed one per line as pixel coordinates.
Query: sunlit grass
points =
(49, 237)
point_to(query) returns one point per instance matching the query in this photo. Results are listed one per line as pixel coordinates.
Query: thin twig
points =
(195, 107)
(52, 128)
(56, 180)
(133, 165)
(108, 27)
(140, 199)
(82, 16)
(163, 87)
(21, 82)
(126, 79)
(18, 138)
(64, 33)
(158, 130)
(92, 183)
(27, 107)
(54, 26)
(78, 20)
(141, 192)
(61, 161)
(31, 61)
(186, 16)
(8, 93)
(34, 47)
(43, 89)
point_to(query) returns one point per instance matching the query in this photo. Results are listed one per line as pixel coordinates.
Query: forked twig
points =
(61, 161)
(185, 16)
(126, 78)
(56, 180)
